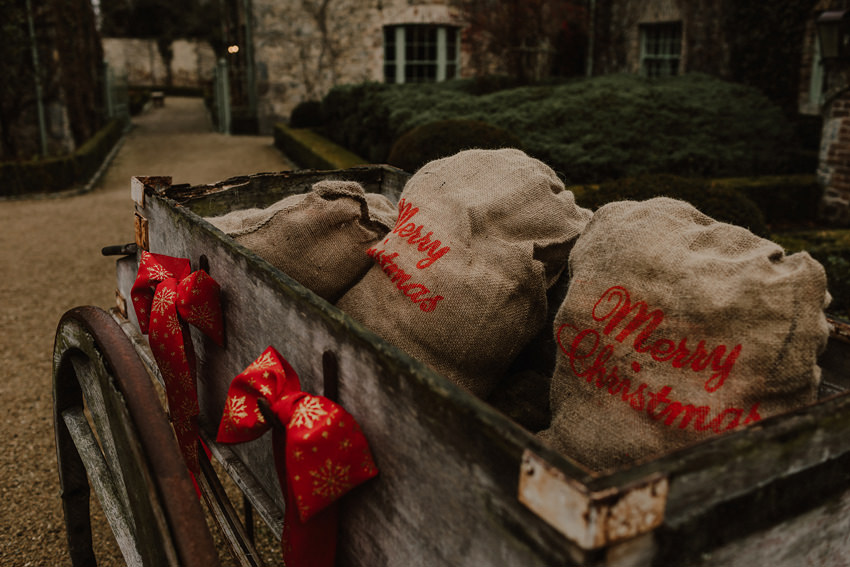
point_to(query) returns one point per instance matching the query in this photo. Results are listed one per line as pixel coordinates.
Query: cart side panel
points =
(447, 491)
(263, 189)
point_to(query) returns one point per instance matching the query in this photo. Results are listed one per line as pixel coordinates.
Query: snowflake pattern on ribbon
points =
(166, 294)
(308, 412)
(163, 301)
(330, 480)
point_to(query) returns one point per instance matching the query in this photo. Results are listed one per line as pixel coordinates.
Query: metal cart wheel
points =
(129, 456)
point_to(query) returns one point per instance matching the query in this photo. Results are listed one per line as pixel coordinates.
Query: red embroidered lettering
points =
(430, 304)
(431, 248)
(397, 275)
(412, 232)
(717, 422)
(615, 305)
(406, 211)
(753, 416)
(639, 319)
(585, 346)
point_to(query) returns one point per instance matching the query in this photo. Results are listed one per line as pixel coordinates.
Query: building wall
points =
(617, 42)
(302, 51)
(139, 59)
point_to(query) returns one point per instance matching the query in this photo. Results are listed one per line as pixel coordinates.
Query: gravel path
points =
(50, 262)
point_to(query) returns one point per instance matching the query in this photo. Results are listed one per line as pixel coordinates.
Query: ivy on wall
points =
(758, 44)
(766, 45)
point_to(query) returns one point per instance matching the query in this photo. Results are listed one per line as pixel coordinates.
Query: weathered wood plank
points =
(104, 485)
(112, 456)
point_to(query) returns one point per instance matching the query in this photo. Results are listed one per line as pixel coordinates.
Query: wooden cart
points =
(459, 483)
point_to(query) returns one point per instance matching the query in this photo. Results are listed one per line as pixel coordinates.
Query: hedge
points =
(785, 201)
(311, 150)
(589, 130)
(54, 174)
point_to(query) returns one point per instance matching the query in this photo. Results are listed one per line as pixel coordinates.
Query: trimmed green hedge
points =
(720, 203)
(312, 151)
(445, 138)
(784, 201)
(55, 174)
(588, 130)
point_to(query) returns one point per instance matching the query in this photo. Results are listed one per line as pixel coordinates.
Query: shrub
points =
(720, 203)
(444, 138)
(788, 200)
(54, 174)
(590, 130)
(309, 150)
(307, 114)
(137, 99)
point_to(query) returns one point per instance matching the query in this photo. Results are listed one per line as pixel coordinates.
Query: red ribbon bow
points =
(320, 454)
(167, 295)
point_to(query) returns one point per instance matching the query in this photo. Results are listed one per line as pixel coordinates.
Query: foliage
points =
(785, 200)
(589, 130)
(720, 203)
(764, 46)
(69, 55)
(309, 150)
(17, 89)
(531, 39)
(444, 138)
(60, 173)
(306, 114)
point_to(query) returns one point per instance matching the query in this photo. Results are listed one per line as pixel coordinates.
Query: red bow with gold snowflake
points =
(320, 453)
(166, 296)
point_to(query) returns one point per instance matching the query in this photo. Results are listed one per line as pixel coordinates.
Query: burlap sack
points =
(318, 238)
(460, 281)
(677, 328)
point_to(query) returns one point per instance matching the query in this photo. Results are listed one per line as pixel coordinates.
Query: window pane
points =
(662, 47)
(420, 53)
(389, 44)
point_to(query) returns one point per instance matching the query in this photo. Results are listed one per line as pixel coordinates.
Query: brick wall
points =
(834, 168)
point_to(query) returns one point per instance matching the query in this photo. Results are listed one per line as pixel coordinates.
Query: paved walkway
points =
(50, 262)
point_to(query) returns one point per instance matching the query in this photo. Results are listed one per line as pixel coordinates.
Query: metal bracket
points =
(121, 303)
(141, 228)
(138, 184)
(591, 519)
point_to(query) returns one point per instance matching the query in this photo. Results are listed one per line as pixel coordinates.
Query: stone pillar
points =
(834, 162)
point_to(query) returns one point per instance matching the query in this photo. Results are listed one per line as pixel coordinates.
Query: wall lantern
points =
(834, 34)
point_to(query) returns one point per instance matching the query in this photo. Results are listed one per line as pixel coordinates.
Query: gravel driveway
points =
(50, 262)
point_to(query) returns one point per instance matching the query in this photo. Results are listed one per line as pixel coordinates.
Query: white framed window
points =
(660, 49)
(421, 53)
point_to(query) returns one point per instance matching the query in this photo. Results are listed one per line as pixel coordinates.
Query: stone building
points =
(139, 61)
(282, 52)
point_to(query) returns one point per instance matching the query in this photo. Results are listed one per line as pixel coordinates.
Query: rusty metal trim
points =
(592, 520)
(121, 303)
(141, 229)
